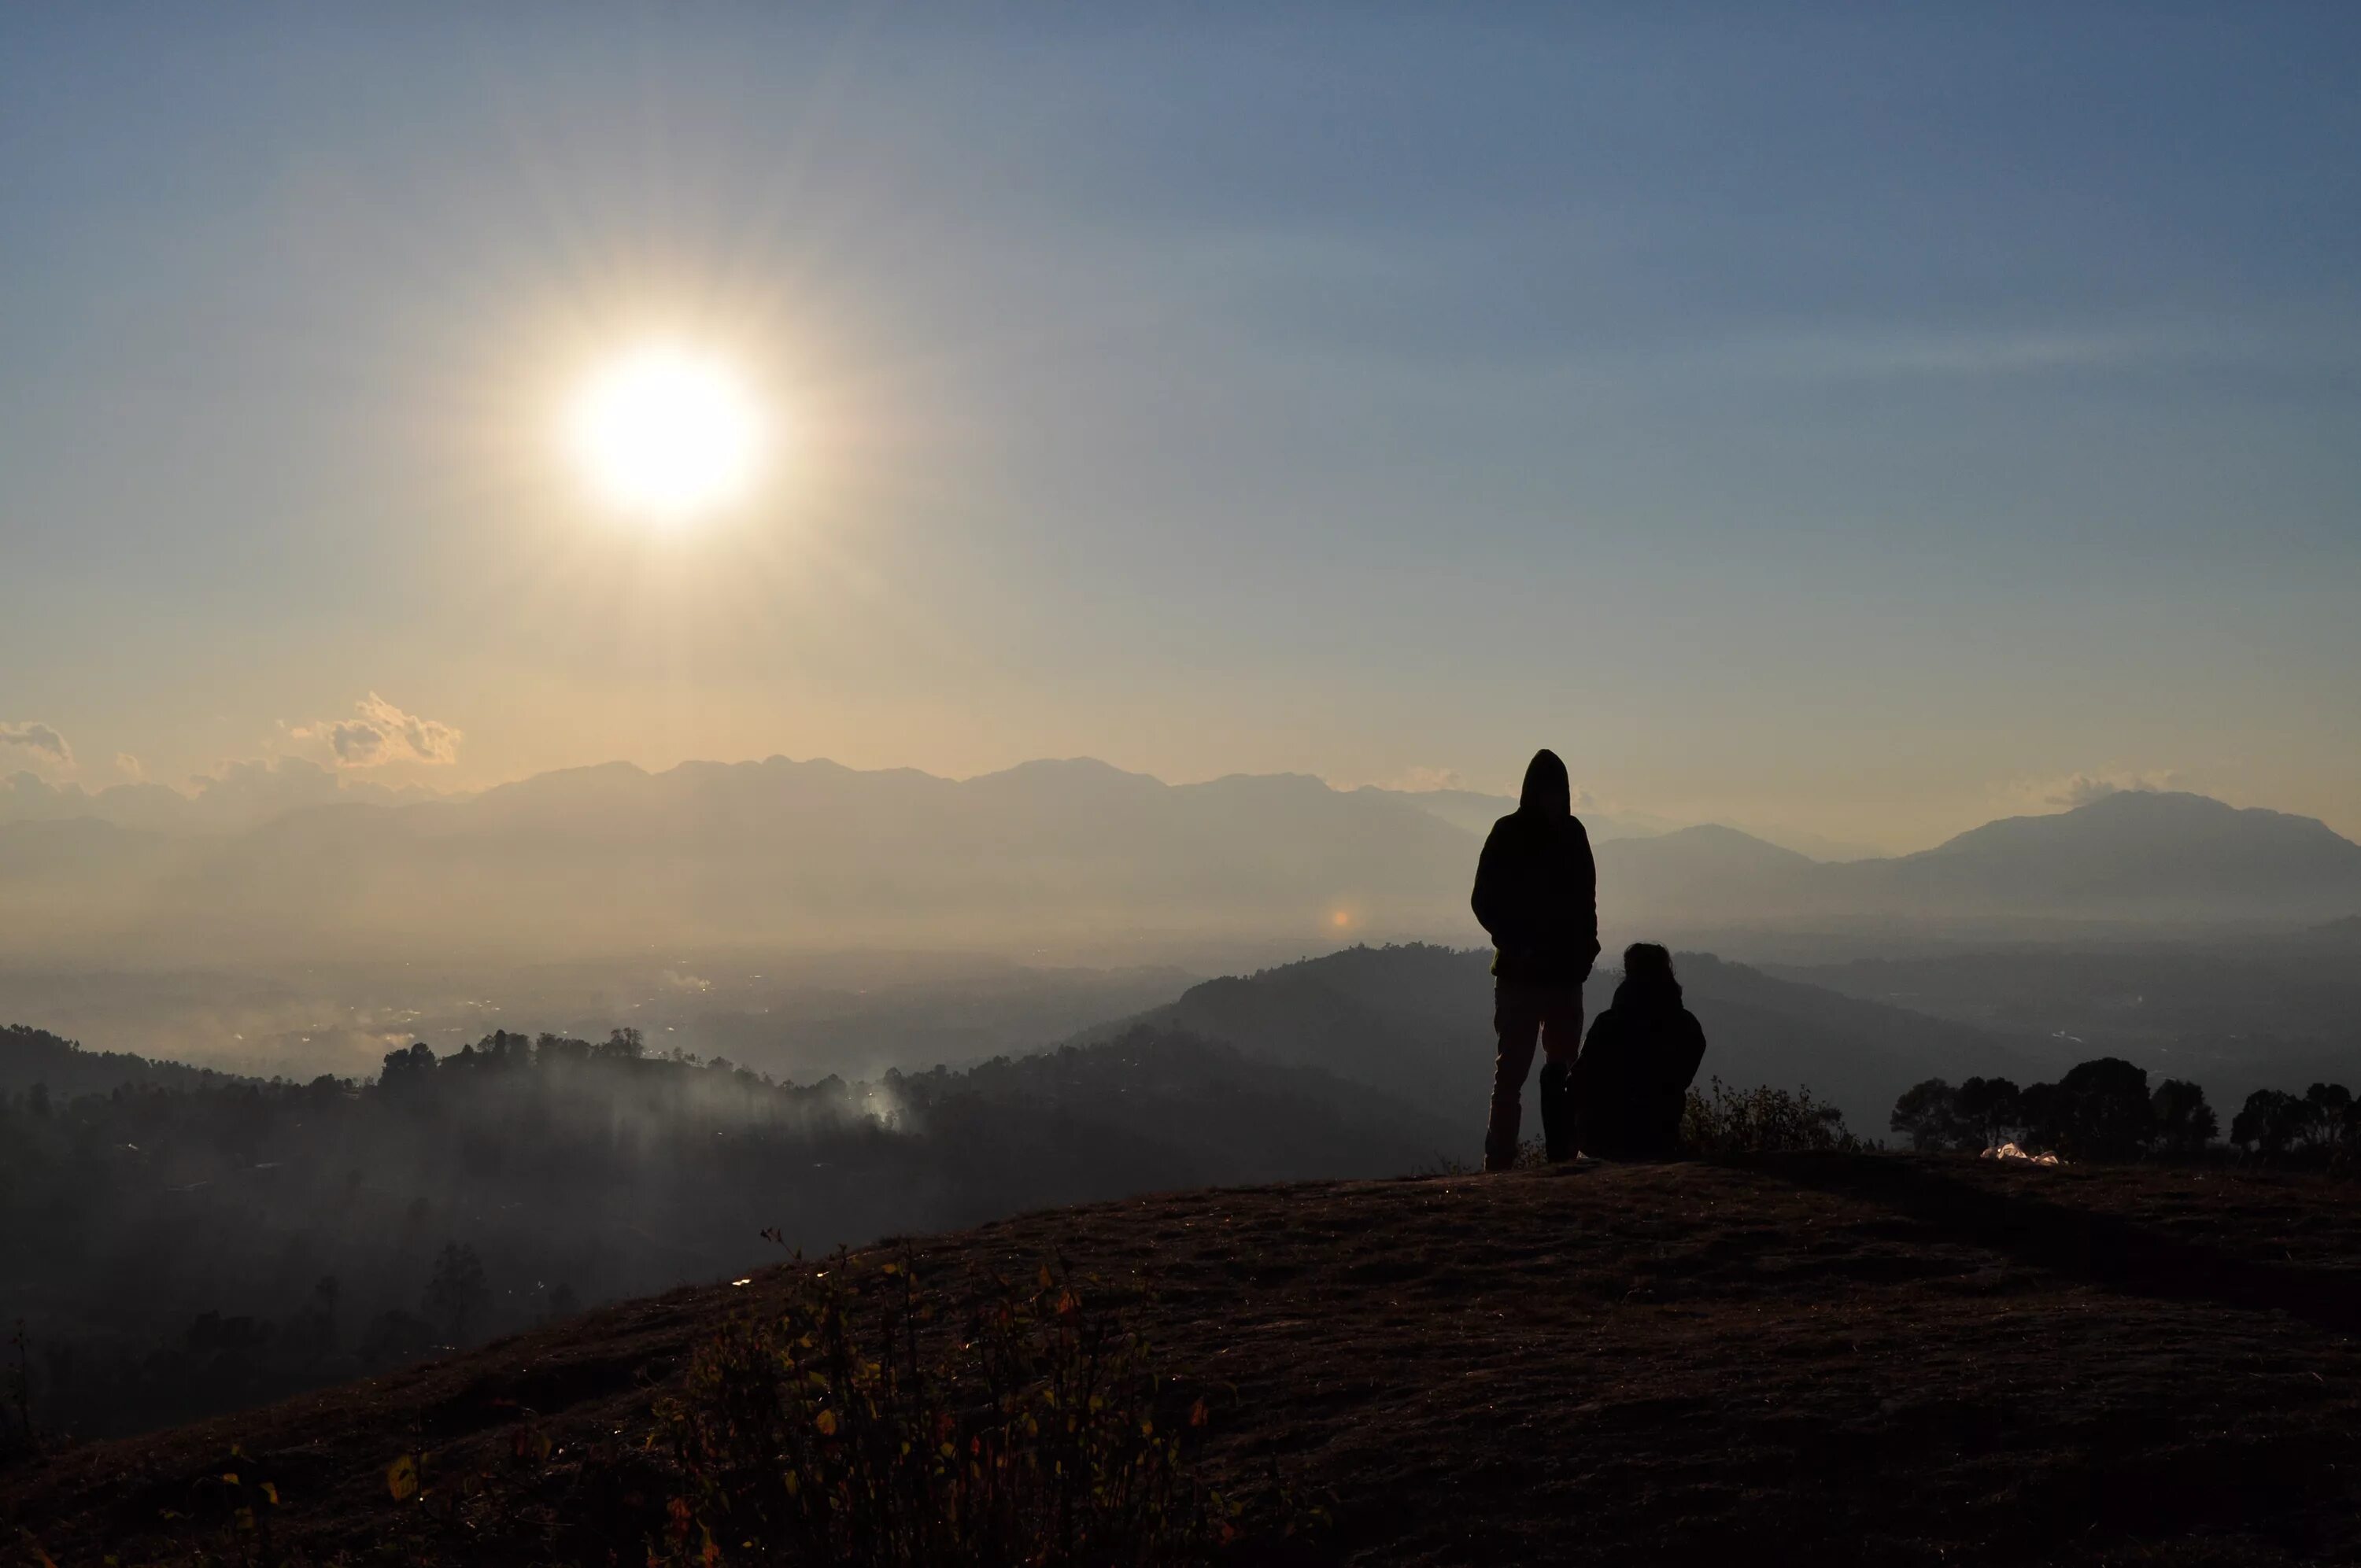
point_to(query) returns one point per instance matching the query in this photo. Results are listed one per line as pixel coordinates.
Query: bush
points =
(867, 1423)
(1763, 1120)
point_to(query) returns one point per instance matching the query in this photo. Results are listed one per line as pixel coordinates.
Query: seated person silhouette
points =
(1635, 1069)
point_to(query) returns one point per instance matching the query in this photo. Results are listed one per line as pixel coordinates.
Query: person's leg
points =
(1517, 1020)
(1561, 1022)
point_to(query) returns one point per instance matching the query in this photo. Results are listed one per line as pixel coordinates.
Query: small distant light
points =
(748, 1281)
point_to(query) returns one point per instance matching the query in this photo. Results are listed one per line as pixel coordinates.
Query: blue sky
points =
(1862, 422)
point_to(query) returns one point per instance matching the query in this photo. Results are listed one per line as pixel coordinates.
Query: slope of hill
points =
(1696, 869)
(1790, 1360)
(1415, 1022)
(314, 1217)
(62, 1070)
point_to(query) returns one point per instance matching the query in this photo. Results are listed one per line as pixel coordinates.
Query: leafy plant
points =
(1763, 1120)
(866, 1421)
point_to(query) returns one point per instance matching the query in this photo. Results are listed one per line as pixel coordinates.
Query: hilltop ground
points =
(1890, 1359)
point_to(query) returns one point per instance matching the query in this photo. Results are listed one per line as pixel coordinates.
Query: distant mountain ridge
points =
(1058, 852)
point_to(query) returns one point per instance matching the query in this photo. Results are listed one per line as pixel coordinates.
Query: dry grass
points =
(1798, 1358)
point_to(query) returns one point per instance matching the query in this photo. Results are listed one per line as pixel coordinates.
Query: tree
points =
(2100, 1109)
(2184, 1123)
(2328, 1116)
(2269, 1123)
(409, 1072)
(456, 1291)
(1927, 1114)
(1991, 1111)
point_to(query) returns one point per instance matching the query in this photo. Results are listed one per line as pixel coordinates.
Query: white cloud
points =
(382, 734)
(39, 739)
(1419, 779)
(130, 767)
(2082, 788)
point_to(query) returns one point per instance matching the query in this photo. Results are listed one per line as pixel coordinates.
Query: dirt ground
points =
(1886, 1359)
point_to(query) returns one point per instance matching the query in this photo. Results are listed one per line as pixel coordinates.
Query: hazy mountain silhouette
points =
(1475, 811)
(1075, 854)
(2137, 850)
(2134, 855)
(1415, 1022)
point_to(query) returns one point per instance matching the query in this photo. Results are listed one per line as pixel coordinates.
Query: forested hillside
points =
(176, 1250)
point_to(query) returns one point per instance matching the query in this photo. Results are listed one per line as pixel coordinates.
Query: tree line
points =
(2105, 1109)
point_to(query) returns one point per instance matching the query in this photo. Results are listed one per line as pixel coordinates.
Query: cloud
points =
(37, 738)
(130, 767)
(1419, 779)
(382, 734)
(2082, 788)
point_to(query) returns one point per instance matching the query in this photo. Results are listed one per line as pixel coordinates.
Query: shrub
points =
(868, 1422)
(1763, 1120)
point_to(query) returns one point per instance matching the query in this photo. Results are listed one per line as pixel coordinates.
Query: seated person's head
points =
(1648, 972)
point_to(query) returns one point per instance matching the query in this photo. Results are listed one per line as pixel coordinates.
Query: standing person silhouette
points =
(1537, 893)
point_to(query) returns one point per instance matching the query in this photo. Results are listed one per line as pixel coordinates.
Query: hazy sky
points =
(1858, 422)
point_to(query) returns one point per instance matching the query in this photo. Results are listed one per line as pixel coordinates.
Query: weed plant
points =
(1763, 1120)
(867, 1421)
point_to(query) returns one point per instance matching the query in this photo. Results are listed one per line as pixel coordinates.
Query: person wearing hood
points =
(1537, 894)
(1635, 1069)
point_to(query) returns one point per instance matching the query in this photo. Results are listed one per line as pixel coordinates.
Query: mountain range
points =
(1066, 856)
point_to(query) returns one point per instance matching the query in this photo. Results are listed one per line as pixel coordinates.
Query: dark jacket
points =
(1537, 886)
(1634, 1073)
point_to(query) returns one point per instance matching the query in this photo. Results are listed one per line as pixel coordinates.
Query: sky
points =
(1866, 423)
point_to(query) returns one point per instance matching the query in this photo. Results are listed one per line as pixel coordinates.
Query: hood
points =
(1546, 791)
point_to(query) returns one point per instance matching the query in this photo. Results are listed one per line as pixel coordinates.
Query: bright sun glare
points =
(667, 432)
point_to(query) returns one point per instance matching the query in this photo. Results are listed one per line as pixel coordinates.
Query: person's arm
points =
(1596, 1049)
(1688, 1055)
(1586, 893)
(1491, 911)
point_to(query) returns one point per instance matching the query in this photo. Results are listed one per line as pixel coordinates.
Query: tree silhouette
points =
(1927, 1114)
(1991, 1111)
(2184, 1123)
(2100, 1109)
(457, 1292)
(2269, 1123)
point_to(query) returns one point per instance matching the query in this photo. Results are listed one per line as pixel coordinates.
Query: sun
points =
(667, 432)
